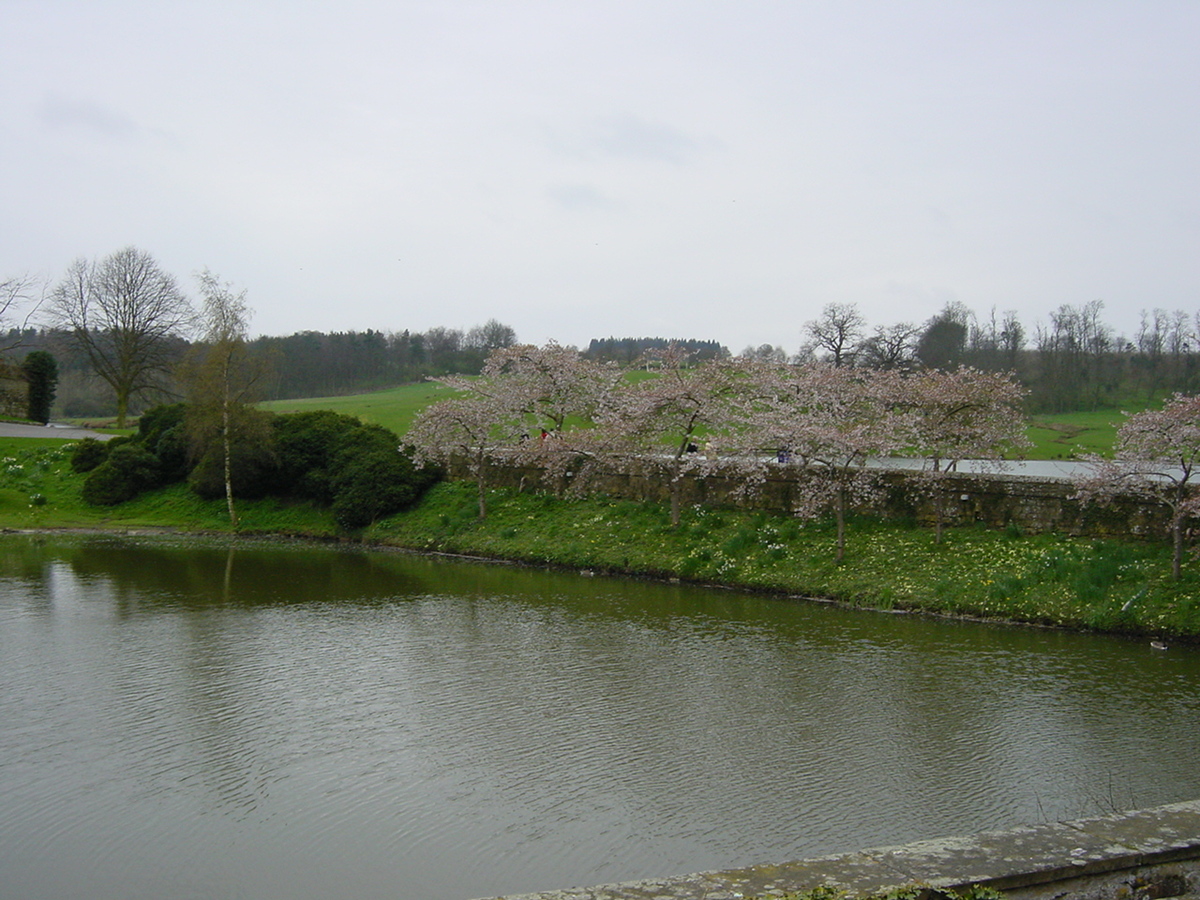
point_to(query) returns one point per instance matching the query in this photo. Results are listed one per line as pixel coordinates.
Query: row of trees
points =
(126, 322)
(1073, 361)
(553, 407)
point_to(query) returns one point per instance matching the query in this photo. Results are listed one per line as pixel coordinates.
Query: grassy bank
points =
(1047, 579)
(978, 572)
(38, 490)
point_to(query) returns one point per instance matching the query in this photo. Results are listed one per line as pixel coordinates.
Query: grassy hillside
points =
(393, 408)
(1060, 436)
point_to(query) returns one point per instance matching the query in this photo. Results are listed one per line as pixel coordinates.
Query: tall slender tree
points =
(221, 376)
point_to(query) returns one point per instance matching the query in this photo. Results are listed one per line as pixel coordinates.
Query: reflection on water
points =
(190, 720)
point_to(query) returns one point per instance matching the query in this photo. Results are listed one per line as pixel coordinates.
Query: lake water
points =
(186, 720)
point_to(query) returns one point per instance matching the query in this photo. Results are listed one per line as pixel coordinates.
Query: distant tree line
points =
(1073, 361)
(628, 351)
(119, 326)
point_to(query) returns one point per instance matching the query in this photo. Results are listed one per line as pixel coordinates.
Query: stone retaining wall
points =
(1142, 855)
(999, 501)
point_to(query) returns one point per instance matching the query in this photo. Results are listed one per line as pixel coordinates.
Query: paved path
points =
(67, 432)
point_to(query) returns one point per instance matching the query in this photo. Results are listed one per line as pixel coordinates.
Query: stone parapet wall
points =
(1145, 854)
(1033, 505)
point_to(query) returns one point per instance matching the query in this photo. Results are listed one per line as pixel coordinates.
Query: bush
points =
(128, 471)
(162, 431)
(305, 445)
(374, 481)
(253, 470)
(358, 469)
(88, 454)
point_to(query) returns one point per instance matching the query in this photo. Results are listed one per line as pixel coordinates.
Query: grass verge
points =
(1049, 579)
(1046, 579)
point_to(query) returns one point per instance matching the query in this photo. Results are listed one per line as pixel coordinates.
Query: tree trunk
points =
(480, 482)
(840, 510)
(1177, 549)
(227, 444)
(228, 448)
(938, 499)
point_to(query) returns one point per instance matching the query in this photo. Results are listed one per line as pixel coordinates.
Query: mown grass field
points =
(393, 408)
(1061, 436)
(1071, 435)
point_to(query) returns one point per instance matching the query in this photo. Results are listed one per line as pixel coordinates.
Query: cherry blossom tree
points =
(556, 392)
(830, 421)
(1155, 457)
(466, 428)
(962, 414)
(672, 414)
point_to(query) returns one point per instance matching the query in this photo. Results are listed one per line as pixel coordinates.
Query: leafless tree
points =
(837, 331)
(20, 296)
(891, 347)
(122, 313)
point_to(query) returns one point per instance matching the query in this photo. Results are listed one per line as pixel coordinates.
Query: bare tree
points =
(122, 314)
(890, 347)
(837, 331)
(19, 296)
(491, 335)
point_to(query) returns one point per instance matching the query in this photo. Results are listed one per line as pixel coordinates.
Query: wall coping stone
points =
(1111, 856)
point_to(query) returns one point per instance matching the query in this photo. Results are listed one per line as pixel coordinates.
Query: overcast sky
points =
(703, 169)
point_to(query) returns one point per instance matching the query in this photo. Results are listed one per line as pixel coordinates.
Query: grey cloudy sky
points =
(708, 169)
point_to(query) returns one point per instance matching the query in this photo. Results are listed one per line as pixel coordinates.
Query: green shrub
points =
(41, 372)
(128, 471)
(372, 478)
(88, 454)
(253, 473)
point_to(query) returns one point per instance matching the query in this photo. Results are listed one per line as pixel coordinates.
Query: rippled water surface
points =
(188, 720)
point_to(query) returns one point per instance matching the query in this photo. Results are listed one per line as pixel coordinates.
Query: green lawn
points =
(1068, 435)
(393, 408)
(1058, 436)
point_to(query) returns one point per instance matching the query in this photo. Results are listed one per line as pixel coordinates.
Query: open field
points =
(1060, 436)
(1070, 435)
(393, 408)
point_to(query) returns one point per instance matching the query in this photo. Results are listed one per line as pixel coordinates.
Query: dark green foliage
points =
(41, 371)
(162, 431)
(357, 468)
(154, 422)
(324, 457)
(305, 444)
(373, 478)
(88, 454)
(128, 471)
(253, 472)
